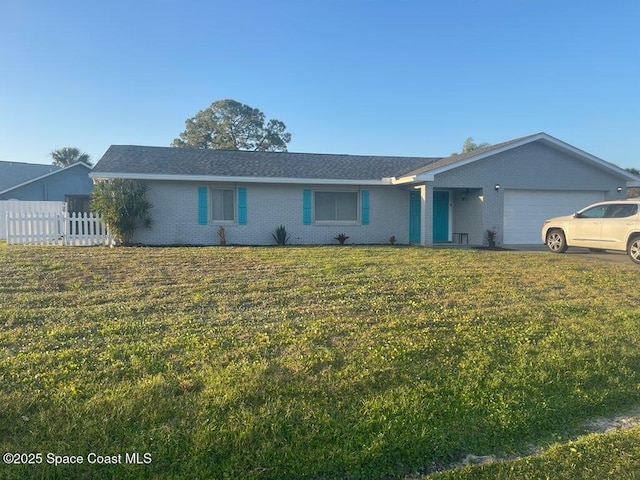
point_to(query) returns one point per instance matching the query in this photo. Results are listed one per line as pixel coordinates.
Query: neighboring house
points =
(511, 187)
(17, 173)
(24, 181)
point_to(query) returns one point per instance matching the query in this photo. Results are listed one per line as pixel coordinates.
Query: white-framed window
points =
(335, 206)
(222, 204)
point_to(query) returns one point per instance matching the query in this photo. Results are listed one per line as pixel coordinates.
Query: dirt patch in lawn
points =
(598, 425)
(621, 422)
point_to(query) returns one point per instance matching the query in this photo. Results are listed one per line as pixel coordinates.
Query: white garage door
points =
(526, 210)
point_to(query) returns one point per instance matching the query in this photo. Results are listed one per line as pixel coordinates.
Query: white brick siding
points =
(175, 215)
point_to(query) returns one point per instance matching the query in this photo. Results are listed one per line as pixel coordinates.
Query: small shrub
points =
(280, 236)
(392, 239)
(222, 234)
(341, 238)
(491, 236)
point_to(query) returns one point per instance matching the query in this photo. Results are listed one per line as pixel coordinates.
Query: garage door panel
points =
(526, 210)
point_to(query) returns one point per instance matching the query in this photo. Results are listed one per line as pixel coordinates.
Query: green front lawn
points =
(305, 362)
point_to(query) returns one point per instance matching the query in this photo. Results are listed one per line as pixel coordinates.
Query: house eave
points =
(237, 179)
(412, 179)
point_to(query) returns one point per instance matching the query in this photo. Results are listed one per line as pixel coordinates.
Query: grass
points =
(314, 362)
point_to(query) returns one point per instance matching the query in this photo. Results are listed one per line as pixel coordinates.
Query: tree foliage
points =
(231, 125)
(469, 145)
(63, 157)
(124, 207)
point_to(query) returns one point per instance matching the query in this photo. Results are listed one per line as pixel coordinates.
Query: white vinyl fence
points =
(22, 206)
(56, 229)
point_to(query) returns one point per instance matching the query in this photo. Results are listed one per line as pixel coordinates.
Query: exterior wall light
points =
(619, 189)
(497, 187)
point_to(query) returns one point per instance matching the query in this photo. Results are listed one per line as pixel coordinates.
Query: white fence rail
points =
(56, 229)
(22, 206)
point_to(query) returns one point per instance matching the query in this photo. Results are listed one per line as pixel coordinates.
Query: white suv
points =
(603, 226)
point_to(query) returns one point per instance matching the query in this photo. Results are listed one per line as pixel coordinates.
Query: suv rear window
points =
(621, 210)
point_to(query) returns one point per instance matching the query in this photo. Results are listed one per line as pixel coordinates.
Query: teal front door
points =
(414, 217)
(440, 216)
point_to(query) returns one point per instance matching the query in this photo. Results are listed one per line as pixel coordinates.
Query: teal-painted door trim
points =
(414, 216)
(440, 216)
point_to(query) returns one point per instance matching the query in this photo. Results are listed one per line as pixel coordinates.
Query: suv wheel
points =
(558, 244)
(633, 249)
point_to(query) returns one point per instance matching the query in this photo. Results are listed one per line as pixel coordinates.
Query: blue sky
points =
(380, 77)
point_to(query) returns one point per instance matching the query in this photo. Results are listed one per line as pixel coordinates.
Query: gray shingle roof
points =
(152, 162)
(140, 160)
(17, 173)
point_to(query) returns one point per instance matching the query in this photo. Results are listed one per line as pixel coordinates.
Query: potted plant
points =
(491, 237)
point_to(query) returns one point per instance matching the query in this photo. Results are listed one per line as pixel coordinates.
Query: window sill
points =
(329, 223)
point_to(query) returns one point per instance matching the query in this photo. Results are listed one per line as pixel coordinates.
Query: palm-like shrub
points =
(280, 236)
(341, 238)
(124, 207)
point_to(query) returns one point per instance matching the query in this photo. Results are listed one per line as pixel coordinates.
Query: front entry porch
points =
(452, 215)
(467, 210)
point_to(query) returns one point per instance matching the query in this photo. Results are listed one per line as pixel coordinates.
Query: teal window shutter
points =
(242, 205)
(306, 206)
(365, 207)
(203, 215)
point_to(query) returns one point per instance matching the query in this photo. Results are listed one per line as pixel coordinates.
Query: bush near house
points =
(309, 362)
(124, 207)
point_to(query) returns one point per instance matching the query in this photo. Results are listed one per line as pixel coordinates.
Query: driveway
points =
(608, 256)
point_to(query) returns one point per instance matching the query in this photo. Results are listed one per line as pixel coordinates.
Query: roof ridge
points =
(265, 152)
